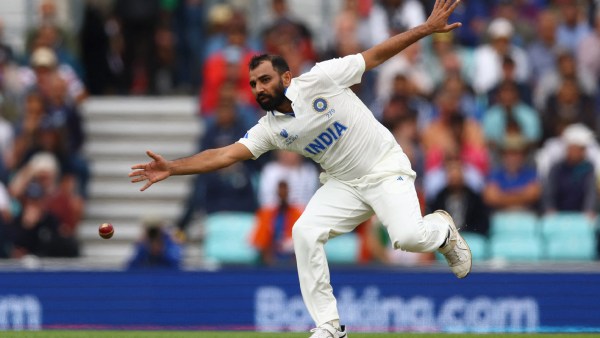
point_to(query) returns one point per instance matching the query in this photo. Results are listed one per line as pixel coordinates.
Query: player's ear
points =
(286, 78)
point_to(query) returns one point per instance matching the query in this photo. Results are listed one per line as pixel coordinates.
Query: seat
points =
(343, 249)
(227, 236)
(569, 236)
(478, 244)
(514, 223)
(516, 248)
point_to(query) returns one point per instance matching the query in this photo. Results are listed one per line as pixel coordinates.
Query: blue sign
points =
(370, 300)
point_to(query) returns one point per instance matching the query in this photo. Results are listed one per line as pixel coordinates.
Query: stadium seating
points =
(343, 249)
(514, 223)
(478, 245)
(227, 236)
(569, 236)
(515, 236)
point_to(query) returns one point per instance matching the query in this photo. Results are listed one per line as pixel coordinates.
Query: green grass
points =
(206, 334)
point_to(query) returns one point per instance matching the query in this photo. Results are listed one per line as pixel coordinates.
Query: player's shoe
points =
(328, 331)
(456, 251)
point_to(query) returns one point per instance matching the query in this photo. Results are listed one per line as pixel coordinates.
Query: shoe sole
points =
(445, 214)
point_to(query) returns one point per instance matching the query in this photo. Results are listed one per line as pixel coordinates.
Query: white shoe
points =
(328, 331)
(456, 251)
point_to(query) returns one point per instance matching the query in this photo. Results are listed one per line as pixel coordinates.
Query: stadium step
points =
(119, 131)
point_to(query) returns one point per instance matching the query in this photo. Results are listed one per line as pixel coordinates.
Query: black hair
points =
(278, 62)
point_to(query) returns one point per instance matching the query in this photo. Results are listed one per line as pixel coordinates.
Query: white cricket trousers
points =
(337, 208)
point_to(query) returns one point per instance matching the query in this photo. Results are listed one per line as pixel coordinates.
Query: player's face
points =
(267, 86)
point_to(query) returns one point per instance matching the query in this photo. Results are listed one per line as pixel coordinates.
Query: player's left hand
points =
(438, 20)
(152, 172)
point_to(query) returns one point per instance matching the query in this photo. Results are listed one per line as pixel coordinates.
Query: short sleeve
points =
(258, 140)
(344, 72)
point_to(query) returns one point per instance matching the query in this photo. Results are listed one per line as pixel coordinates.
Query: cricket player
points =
(365, 170)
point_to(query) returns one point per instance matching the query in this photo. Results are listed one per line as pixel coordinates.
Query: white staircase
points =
(119, 131)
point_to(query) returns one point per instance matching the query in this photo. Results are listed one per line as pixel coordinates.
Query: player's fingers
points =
(146, 186)
(437, 4)
(138, 179)
(153, 155)
(451, 27)
(451, 5)
(138, 166)
(136, 173)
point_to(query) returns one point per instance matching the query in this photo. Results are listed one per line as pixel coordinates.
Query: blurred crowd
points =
(501, 114)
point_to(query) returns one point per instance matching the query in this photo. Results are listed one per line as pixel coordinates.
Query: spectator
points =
(188, 20)
(568, 106)
(301, 178)
(522, 15)
(63, 39)
(452, 132)
(574, 26)
(272, 234)
(566, 69)
(65, 117)
(228, 65)
(10, 81)
(139, 20)
(508, 74)
(510, 116)
(571, 184)
(48, 37)
(284, 27)
(404, 100)
(513, 184)
(410, 64)
(436, 179)
(389, 17)
(36, 229)
(588, 55)
(474, 15)
(543, 50)
(554, 150)
(94, 41)
(448, 59)
(463, 203)
(45, 65)
(157, 249)
(488, 57)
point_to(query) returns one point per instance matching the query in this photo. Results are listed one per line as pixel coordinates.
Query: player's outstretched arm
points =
(436, 23)
(209, 160)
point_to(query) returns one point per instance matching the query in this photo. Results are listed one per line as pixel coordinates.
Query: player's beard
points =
(273, 101)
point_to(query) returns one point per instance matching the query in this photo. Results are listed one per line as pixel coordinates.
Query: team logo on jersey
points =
(320, 105)
(283, 133)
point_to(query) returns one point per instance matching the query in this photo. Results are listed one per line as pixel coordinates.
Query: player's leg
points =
(335, 209)
(395, 202)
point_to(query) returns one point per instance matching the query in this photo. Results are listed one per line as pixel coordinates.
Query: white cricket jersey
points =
(330, 125)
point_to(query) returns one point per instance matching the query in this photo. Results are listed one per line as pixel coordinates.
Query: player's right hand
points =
(438, 20)
(152, 172)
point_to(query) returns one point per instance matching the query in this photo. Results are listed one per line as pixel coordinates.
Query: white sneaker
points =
(456, 251)
(328, 331)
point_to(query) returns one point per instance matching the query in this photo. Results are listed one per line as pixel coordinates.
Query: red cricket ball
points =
(106, 230)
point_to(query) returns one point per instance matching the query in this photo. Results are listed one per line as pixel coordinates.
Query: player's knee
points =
(305, 235)
(412, 242)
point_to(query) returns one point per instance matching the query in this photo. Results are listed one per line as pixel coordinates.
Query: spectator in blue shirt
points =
(514, 184)
(157, 249)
